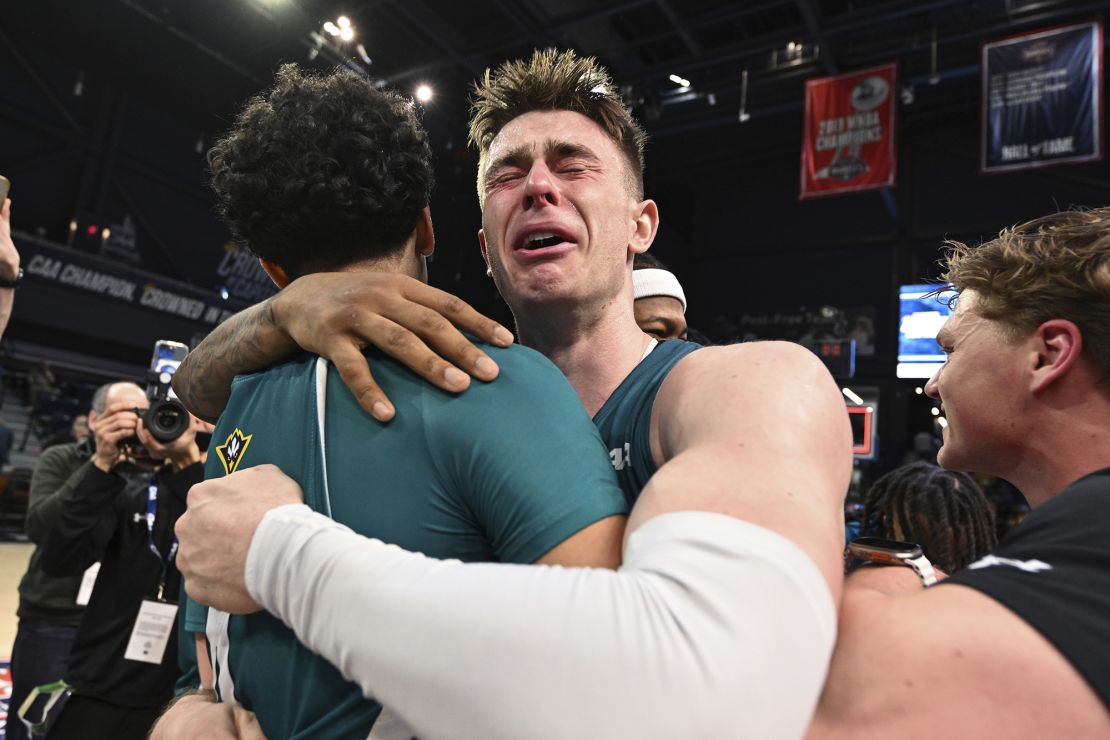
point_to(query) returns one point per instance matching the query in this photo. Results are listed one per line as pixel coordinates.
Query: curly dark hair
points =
(943, 511)
(322, 171)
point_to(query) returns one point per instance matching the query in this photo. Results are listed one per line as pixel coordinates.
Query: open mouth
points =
(542, 240)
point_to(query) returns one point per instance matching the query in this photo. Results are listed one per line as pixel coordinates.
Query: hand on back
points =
(338, 315)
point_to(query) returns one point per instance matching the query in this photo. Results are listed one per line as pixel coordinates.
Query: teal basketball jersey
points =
(502, 472)
(625, 420)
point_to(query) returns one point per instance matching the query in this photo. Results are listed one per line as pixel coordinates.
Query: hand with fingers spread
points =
(338, 315)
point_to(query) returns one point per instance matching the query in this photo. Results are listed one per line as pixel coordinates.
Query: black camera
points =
(166, 419)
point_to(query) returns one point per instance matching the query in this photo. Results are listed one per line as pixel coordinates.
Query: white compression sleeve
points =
(712, 628)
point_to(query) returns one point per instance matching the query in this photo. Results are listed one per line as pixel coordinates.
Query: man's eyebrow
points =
(515, 157)
(561, 149)
(520, 156)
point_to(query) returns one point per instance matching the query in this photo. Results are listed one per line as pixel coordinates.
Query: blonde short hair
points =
(553, 80)
(1054, 267)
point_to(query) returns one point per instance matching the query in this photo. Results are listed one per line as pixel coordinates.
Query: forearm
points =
(248, 341)
(9, 270)
(7, 300)
(670, 646)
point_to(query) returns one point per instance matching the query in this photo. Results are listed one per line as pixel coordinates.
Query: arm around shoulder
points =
(248, 341)
(756, 431)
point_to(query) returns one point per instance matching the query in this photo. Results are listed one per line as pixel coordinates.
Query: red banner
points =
(848, 144)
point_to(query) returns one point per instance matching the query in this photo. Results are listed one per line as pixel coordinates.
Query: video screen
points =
(921, 317)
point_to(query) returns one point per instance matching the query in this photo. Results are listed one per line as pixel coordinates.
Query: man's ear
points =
(484, 247)
(425, 235)
(1058, 344)
(646, 223)
(275, 271)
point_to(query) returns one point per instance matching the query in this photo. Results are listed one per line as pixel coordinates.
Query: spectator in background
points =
(40, 382)
(77, 430)
(80, 428)
(121, 510)
(660, 304)
(49, 612)
(10, 273)
(943, 511)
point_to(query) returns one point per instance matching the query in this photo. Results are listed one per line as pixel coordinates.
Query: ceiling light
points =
(346, 33)
(919, 390)
(680, 81)
(331, 28)
(852, 396)
(343, 21)
(424, 93)
(106, 234)
(935, 411)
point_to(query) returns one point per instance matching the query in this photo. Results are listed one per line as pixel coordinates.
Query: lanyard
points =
(151, 513)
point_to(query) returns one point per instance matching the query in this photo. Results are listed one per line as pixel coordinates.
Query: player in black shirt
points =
(1018, 644)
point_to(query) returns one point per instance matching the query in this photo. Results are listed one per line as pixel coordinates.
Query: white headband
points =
(652, 281)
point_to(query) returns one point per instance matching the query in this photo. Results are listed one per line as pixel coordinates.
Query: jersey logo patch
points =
(1029, 566)
(232, 450)
(621, 458)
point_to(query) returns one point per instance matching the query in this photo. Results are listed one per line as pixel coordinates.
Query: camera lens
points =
(166, 420)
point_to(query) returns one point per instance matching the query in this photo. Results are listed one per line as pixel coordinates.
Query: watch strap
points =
(14, 282)
(923, 568)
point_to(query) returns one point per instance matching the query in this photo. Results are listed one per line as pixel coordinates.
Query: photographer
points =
(122, 512)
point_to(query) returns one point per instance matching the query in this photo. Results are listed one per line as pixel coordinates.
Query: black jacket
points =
(104, 518)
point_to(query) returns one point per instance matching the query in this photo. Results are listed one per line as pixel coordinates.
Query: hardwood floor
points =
(13, 564)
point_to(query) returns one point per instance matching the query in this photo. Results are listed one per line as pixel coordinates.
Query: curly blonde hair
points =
(1054, 267)
(554, 80)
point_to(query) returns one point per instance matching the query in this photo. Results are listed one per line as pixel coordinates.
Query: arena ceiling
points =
(200, 58)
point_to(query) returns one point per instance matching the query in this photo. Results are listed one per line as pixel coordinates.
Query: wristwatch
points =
(893, 552)
(14, 282)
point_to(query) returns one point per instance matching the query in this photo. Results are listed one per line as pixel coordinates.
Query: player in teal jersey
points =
(720, 622)
(511, 472)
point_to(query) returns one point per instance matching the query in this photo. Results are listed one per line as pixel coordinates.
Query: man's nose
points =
(931, 386)
(540, 187)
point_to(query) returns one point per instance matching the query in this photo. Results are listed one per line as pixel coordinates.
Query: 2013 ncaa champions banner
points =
(848, 143)
(1042, 98)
